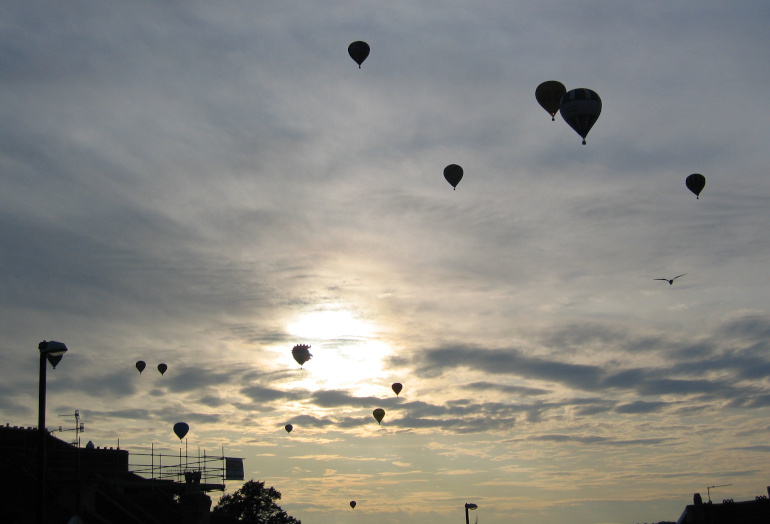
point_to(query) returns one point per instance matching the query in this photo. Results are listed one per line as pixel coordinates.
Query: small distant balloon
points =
(162, 368)
(581, 108)
(453, 174)
(181, 429)
(378, 413)
(358, 51)
(397, 387)
(288, 428)
(301, 354)
(352, 503)
(548, 95)
(695, 183)
(140, 365)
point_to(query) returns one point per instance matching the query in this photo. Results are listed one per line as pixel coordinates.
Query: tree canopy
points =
(254, 504)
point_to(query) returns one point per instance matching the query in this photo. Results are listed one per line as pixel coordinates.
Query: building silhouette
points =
(100, 485)
(755, 511)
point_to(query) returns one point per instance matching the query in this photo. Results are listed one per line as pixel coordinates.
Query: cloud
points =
(515, 390)
(311, 421)
(265, 395)
(640, 407)
(507, 361)
(337, 398)
(602, 441)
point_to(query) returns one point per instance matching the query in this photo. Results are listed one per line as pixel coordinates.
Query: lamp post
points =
(51, 351)
(468, 506)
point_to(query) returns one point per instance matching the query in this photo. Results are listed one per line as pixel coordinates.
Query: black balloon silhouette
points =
(301, 354)
(695, 183)
(453, 174)
(358, 51)
(181, 429)
(548, 95)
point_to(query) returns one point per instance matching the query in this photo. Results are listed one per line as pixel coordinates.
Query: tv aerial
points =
(79, 426)
(708, 489)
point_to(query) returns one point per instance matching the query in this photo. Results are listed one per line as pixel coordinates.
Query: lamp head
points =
(52, 348)
(54, 359)
(469, 505)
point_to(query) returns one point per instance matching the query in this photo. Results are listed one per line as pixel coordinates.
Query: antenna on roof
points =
(708, 489)
(79, 426)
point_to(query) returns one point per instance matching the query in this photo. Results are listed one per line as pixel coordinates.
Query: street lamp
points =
(53, 352)
(468, 506)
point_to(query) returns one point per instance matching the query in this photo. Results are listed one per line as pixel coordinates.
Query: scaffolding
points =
(210, 471)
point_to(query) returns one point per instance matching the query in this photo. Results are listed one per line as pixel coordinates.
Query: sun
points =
(329, 325)
(346, 351)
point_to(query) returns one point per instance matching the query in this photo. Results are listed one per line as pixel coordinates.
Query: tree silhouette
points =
(253, 504)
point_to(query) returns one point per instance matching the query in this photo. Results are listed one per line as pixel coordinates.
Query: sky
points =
(207, 184)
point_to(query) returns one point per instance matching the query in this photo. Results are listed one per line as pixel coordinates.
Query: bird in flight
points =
(670, 281)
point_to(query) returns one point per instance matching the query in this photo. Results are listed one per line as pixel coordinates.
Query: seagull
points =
(670, 282)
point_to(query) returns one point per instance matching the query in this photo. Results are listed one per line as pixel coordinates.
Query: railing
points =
(179, 467)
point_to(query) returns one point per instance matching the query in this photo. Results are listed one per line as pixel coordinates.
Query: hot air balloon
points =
(397, 387)
(140, 365)
(352, 503)
(378, 413)
(162, 368)
(288, 428)
(581, 108)
(358, 51)
(548, 95)
(453, 174)
(301, 354)
(695, 183)
(181, 429)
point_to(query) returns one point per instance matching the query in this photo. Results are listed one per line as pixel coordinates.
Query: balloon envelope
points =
(397, 387)
(140, 365)
(548, 95)
(352, 503)
(162, 368)
(288, 428)
(378, 413)
(358, 51)
(301, 354)
(695, 183)
(181, 429)
(581, 108)
(453, 174)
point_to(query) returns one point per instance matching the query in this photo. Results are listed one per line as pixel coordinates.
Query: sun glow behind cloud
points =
(338, 324)
(346, 352)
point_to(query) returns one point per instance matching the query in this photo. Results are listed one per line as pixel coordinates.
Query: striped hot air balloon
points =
(581, 108)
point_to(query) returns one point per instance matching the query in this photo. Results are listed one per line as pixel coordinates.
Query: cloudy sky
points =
(207, 184)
